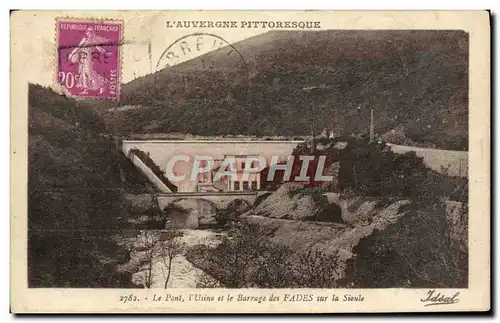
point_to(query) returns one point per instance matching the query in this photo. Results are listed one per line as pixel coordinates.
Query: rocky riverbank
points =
(300, 237)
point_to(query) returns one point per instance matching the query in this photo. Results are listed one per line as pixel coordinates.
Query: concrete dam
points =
(162, 150)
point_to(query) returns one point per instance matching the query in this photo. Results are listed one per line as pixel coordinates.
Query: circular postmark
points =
(202, 70)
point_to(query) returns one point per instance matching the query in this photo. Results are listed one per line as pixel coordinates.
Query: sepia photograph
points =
(249, 154)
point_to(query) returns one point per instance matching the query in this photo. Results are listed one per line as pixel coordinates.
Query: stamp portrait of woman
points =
(89, 79)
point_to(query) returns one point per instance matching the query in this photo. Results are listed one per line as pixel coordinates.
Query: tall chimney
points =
(313, 143)
(372, 127)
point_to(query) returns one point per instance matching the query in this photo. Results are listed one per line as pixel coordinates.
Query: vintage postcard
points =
(250, 161)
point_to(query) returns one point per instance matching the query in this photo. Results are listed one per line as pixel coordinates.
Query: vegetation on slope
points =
(415, 252)
(76, 180)
(249, 259)
(373, 169)
(415, 79)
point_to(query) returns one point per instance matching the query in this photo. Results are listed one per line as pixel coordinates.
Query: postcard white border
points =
(476, 297)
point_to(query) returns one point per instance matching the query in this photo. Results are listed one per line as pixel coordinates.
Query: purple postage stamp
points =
(88, 57)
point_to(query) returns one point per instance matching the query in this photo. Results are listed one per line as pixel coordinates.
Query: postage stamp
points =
(250, 162)
(88, 57)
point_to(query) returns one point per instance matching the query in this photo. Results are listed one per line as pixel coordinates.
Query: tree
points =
(158, 245)
(249, 258)
(148, 242)
(172, 248)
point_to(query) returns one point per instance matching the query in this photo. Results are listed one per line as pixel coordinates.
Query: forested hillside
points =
(414, 79)
(76, 181)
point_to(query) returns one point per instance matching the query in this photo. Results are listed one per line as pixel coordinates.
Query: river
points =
(183, 273)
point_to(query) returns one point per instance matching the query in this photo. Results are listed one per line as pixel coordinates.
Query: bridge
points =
(219, 200)
(202, 206)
